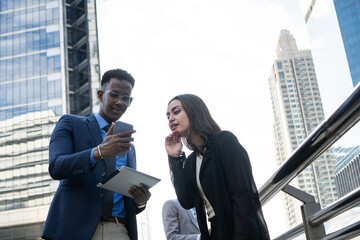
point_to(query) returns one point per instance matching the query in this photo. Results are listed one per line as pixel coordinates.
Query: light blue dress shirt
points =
(194, 213)
(118, 208)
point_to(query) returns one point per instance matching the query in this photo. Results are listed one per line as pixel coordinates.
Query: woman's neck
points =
(198, 141)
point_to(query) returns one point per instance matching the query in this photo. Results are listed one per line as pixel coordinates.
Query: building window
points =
(281, 75)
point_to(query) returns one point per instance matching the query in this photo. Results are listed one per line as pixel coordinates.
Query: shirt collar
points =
(102, 123)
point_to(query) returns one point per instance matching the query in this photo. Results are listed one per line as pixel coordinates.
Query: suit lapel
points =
(193, 220)
(94, 129)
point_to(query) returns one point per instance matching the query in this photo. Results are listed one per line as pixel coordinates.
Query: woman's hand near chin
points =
(173, 144)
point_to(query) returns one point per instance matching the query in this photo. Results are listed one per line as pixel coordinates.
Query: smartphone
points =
(122, 127)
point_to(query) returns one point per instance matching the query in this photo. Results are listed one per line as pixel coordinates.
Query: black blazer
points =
(76, 207)
(227, 181)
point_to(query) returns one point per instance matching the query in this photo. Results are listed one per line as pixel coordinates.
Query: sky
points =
(223, 52)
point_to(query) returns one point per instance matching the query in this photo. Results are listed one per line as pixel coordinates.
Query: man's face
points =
(111, 106)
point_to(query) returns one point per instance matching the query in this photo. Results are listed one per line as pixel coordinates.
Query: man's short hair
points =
(119, 74)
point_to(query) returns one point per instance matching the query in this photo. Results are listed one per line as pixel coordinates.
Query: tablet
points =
(123, 178)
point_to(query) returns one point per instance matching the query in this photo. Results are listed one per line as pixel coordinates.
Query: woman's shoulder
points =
(223, 136)
(226, 141)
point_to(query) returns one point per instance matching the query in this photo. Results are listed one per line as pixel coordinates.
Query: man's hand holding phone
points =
(117, 140)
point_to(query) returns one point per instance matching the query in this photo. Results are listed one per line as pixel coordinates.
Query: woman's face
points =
(178, 120)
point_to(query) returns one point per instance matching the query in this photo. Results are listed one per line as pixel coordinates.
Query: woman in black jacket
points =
(216, 178)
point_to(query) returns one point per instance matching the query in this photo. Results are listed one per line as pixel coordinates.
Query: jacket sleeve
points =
(63, 162)
(171, 223)
(180, 179)
(240, 184)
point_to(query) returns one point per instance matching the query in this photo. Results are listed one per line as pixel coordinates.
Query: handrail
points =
(293, 232)
(328, 132)
(339, 206)
(345, 233)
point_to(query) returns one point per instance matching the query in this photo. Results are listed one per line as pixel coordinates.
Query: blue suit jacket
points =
(76, 207)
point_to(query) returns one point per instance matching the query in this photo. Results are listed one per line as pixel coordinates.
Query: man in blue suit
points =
(82, 152)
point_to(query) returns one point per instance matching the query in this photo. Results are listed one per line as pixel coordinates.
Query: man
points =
(179, 223)
(81, 154)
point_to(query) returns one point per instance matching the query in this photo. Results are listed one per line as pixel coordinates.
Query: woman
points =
(216, 178)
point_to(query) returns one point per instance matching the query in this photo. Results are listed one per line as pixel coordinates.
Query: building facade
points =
(49, 66)
(348, 14)
(347, 176)
(298, 110)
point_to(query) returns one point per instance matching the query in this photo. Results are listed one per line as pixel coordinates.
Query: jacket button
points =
(101, 195)
(103, 174)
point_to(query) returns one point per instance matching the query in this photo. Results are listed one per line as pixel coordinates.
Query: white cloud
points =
(323, 8)
(304, 5)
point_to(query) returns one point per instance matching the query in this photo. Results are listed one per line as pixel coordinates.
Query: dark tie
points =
(110, 164)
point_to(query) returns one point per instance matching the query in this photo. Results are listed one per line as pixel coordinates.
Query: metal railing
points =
(327, 133)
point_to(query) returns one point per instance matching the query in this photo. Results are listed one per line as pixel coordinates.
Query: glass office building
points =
(348, 14)
(347, 169)
(49, 66)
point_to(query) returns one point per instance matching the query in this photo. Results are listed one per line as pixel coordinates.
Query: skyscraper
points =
(297, 111)
(348, 14)
(49, 66)
(347, 174)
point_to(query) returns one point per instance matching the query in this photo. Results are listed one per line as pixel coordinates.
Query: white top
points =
(209, 209)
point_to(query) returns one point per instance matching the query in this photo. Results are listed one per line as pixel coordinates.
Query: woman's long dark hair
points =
(201, 122)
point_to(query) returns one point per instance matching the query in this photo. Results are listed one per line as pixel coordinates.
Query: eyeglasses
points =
(114, 96)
